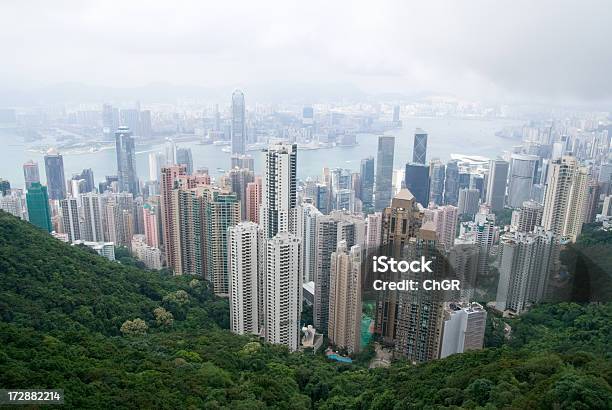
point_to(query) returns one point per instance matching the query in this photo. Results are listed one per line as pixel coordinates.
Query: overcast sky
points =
(527, 50)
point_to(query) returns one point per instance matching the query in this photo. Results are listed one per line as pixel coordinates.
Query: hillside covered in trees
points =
(116, 336)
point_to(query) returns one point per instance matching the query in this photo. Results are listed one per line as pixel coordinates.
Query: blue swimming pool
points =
(340, 358)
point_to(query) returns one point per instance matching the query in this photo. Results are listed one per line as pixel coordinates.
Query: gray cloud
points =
(541, 51)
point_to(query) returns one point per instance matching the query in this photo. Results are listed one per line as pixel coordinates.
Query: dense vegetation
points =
(64, 316)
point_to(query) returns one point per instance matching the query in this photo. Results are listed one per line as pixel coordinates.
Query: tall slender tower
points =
(71, 218)
(238, 123)
(366, 180)
(279, 196)
(344, 328)
(253, 200)
(283, 290)
(169, 215)
(566, 197)
(38, 206)
(56, 181)
(496, 184)
(522, 175)
(93, 217)
(384, 172)
(30, 173)
(126, 161)
(245, 253)
(419, 150)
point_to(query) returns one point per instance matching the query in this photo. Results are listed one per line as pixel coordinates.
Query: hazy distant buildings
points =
(469, 201)
(126, 161)
(451, 183)
(238, 130)
(384, 172)
(496, 184)
(419, 149)
(54, 169)
(30, 173)
(184, 157)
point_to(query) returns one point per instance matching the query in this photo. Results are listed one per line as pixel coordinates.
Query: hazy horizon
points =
(546, 52)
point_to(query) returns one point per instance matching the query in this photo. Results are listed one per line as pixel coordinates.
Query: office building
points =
(496, 184)
(419, 149)
(437, 173)
(126, 161)
(243, 161)
(469, 201)
(30, 173)
(366, 179)
(239, 179)
(384, 172)
(238, 130)
(39, 213)
(451, 183)
(54, 169)
(417, 182)
(184, 157)
(344, 328)
(523, 172)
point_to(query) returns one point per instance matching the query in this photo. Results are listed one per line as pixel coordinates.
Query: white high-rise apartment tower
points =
(566, 197)
(245, 287)
(283, 293)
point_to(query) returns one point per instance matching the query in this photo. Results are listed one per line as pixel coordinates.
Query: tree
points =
(163, 317)
(134, 327)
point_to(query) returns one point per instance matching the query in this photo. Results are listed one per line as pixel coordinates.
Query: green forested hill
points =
(63, 313)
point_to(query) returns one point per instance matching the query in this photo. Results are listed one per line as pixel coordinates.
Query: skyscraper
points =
(367, 183)
(222, 211)
(71, 220)
(419, 149)
(88, 177)
(92, 205)
(417, 182)
(239, 179)
(238, 123)
(126, 160)
(38, 206)
(169, 215)
(56, 181)
(30, 173)
(523, 170)
(5, 187)
(469, 201)
(444, 219)
(464, 328)
(384, 172)
(283, 286)
(530, 216)
(437, 173)
(184, 157)
(344, 329)
(566, 197)
(526, 261)
(253, 200)
(307, 230)
(496, 184)
(130, 119)
(245, 253)
(451, 183)
(279, 196)
(151, 225)
(331, 229)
